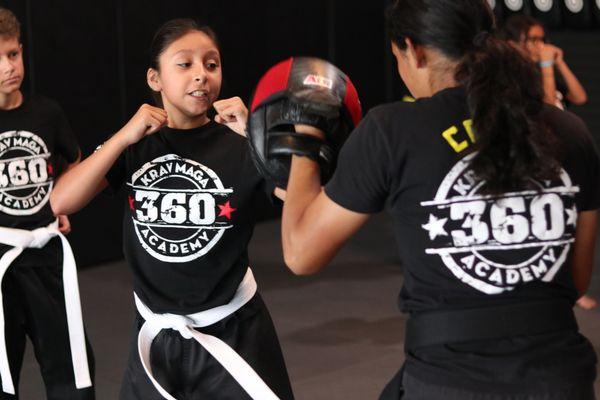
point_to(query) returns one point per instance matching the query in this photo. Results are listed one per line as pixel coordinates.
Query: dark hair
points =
(504, 90)
(168, 33)
(9, 24)
(172, 30)
(517, 27)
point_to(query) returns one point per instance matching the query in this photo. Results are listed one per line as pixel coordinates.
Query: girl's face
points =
(533, 42)
(189, 79)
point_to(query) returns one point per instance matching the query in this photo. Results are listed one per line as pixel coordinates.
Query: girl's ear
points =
(416, 54)
(153, 80)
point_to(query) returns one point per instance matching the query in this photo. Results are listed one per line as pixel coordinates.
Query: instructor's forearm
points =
(303, 188)
(79, 185)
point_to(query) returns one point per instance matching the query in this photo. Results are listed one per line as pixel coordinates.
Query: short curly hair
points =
(9, 24)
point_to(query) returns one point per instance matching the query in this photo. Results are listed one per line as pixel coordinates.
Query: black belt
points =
(445, 327)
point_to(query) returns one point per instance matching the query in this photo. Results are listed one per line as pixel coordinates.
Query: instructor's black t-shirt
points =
(462, 249)
(33, 137)
(189, 215)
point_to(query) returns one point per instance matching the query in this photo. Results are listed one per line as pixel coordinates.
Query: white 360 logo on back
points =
(495, 243)
(25, 181)
(174, 205)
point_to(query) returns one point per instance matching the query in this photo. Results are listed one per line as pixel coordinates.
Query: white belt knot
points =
(184, 324)
(39, 237)
(179, 323)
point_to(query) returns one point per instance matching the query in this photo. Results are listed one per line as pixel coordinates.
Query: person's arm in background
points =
(547, 61)
(550, 56)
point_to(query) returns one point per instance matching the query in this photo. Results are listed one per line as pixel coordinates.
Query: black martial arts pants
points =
(187, 371)
(34, 305)
(407, 387)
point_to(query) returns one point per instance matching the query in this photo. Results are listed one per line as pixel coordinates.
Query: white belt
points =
(184, 324)
(20, 239)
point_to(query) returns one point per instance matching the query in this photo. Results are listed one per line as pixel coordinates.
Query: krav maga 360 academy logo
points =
(495, 243)
(180, 208)
(25, 174)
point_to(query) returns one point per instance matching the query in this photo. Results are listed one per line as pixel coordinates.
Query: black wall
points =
(91, 56)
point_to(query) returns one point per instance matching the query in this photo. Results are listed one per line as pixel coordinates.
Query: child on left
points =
(39, 295)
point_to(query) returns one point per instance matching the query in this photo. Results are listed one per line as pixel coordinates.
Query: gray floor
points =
(340, 330)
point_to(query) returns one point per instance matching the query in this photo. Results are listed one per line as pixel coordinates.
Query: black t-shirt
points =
(189, 215)
(34, 138)
(462, 249)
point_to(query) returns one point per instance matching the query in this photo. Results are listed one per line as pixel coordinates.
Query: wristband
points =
(546, 64)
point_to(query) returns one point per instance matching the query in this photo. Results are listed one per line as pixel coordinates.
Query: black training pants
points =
(187, 371)
(34, 305)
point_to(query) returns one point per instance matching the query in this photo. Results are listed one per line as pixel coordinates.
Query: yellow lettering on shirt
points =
(455, 142)
(468, 124)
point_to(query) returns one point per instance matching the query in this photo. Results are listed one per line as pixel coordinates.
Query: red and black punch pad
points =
(307, 91)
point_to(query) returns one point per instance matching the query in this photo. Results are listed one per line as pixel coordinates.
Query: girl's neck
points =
(11, 100)
(180, 121)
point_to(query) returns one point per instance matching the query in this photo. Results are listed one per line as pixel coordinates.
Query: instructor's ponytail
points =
(504, 89)
(505, 98)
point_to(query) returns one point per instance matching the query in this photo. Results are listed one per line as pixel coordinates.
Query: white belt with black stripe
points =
(21, 239)
(185, 324)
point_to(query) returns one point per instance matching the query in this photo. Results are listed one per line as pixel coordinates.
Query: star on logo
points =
(50, 169)
(226, 210)
(130, 200)
(571, 216)
(435, 227)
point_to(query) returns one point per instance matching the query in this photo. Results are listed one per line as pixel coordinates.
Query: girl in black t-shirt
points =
(191, 186)
(494, 198)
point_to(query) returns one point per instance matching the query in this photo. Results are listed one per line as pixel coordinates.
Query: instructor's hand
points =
(146, 121)
(64, 225)
(309, 130)
(232, 113)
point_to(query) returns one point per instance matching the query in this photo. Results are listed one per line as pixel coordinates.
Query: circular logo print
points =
(179, 207)
(514, 5)
(575, 6)
(543, 5)
(495, 243)
(25, 175)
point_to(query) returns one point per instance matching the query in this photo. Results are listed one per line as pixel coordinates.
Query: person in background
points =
(561, 86)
